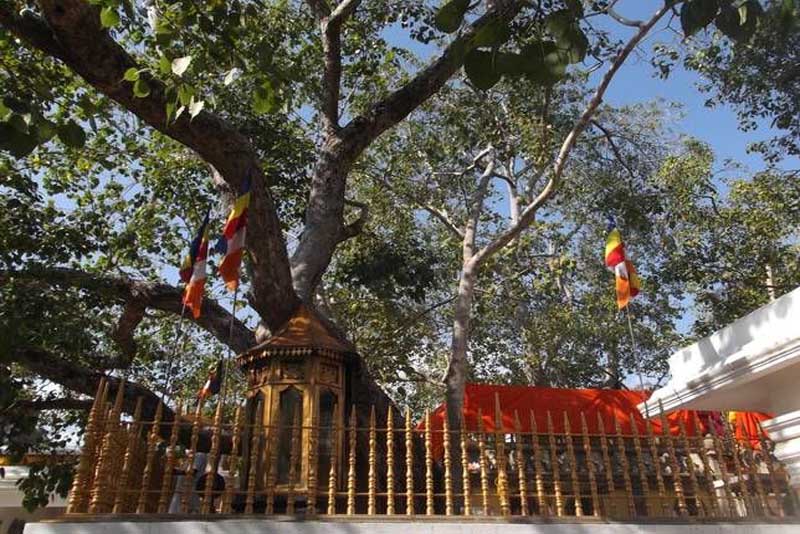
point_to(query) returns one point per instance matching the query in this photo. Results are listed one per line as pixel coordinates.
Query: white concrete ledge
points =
(266, 526)
(753, 364)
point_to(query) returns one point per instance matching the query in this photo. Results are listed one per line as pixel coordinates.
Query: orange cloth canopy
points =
(610, 405)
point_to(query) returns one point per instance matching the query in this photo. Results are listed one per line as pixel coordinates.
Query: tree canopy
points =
(435, 177)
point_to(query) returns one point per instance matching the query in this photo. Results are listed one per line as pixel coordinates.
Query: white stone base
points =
(784, 430)
(364, 526)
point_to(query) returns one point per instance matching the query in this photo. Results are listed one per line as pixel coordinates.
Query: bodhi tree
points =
(289, 94)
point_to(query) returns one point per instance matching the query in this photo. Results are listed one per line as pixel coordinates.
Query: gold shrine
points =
(296, 382)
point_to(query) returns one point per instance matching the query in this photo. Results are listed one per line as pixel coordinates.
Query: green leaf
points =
(45, 130)
(131, 75)
(697, 14)
(71, 134)
(185, 94)
(179, 65)
(264, 99)
(576, 7)
(450, 16)
(164, 65)
(493, 34)
(4, 112)
(141, 89)
(731, 23)
(19, 122)
(559, 23)
(575, 44)
(109, 17)
(479, 66)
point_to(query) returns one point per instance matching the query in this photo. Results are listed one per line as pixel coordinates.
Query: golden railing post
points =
(409, 465)
(482, 462)
(775, 480)
(102, 493)
(541, 494)
(271, 431)
(152, 447)
(520, 458)
(338, 436)
(573, 463)
(737, 465)
(79, 496)
(606, 459)
(753, 471)
(554, 465)
(626, 469)
(313, 466)
(448, 475)
(294, 456)
(166, 481)
(500, 453)
(587, 451)
(372, 475)
(690, 467)
(256, 431)
(428, 466)
(465, 482)
(389, 461)
(188, 479)
(637, 445)
(211, 464)
(707, 472)
(719, 451)
(130, 451)
(236, 438)
(351, 462)
(676, 472)
(662, 489)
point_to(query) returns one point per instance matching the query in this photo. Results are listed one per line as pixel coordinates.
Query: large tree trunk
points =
(456, 377)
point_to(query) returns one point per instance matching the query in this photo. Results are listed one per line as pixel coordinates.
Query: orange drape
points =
(609, 404)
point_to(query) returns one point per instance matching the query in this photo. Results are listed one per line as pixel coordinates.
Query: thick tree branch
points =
(389, 111)
(52, 404)
(132, 315)
(83, 380)
(214, 318)
(529, 213)
(71, 32)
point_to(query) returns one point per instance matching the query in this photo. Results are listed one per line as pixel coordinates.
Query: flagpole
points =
(638, 366)
(226, 367)
(175, 345)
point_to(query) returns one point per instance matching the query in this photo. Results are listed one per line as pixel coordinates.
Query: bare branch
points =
(614, 147)
(529, 213)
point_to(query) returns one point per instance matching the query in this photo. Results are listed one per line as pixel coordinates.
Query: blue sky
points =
(716, 126)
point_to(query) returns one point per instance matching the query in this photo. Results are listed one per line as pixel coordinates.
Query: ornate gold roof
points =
(305, 331)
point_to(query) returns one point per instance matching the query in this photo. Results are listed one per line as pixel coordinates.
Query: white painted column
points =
(784, 430)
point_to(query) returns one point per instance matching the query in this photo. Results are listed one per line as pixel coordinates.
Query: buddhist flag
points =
(193, 270)
(213, 382)
(628, 283)
(231, 242)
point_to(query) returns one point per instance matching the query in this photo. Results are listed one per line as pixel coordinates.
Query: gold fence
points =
(156, 467)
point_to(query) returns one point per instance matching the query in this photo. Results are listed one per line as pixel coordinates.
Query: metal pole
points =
(171, 358)
(226, 367)
(638, 366)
